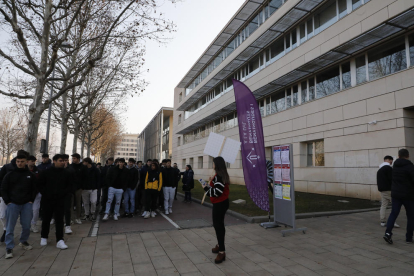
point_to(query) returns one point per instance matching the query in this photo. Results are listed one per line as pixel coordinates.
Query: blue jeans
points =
(409, 209)
(118, 196)
(13, 212)
(129, 195)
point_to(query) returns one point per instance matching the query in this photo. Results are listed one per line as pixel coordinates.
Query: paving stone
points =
(161, 262)
(274, 268)
(255, 257)
(209, 269)
(184, 266)
(145, 269)
(198, 258)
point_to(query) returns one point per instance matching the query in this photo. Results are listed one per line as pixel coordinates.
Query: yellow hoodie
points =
(155, 185)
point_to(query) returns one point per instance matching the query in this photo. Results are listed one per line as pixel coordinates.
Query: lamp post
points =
(49, 113)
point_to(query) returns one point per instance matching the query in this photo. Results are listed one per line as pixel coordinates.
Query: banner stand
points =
(283, 190)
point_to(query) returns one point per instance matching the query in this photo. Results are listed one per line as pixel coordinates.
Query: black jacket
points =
(104, 172)
(55, 184)
(384, 177)
(403, 180)
(117, 178)
(44, 166)
(188, 180)
(80, 174)
(142, 176)
(6, 169)
(19, 187)
(92, 179)
(169, 177)
(133, 179)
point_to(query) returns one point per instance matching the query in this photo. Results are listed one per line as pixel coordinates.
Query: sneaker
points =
(43, 242)
(34, 229)
(105, 217)
(25, 245)
(3, 237)
(166, 212)
(170, 210)
(78, 221)
(93, 217)
(144, 214)
(383, 224)
(388, 238)
(52, 221)
(68, 230)
(396, 225)
(9, 253)
(85, 217)
(147, 215)
(125, 215)
(130, 215)
(61, 245)
(115, 217)
(153, 214)
(409, 241)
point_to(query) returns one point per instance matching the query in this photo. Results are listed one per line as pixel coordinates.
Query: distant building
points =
(128, 147)
(155, 141)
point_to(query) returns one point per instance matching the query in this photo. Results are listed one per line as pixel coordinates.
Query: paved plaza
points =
(337, 245)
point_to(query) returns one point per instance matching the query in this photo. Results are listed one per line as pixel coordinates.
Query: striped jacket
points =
(218, 191)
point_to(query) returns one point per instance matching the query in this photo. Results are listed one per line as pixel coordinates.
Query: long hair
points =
(189, 167)
(221, 169)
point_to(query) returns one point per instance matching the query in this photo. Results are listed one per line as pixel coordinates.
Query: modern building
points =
(155, 141)
(128, 147)
(333, 77)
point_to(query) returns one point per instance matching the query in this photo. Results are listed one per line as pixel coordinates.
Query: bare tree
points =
(11, 134)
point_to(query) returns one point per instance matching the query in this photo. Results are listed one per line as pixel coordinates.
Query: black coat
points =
(384, 178)
(55, 183)
(19, 187)
(92, 179)
(117, 178)
(80, 175)
(169, 177)
(133, 178)
(188, 180)
(142, 176)
(403, 180)
(45, 166)
(6, 169)
(104, 172)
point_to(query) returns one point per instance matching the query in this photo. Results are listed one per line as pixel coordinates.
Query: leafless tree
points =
(11, 134)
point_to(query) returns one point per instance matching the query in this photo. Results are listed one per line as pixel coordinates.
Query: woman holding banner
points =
(218, 190)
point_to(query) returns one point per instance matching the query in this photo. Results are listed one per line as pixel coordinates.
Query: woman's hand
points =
(209, 179)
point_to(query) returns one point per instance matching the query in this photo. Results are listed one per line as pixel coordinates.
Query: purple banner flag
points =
(252, 148)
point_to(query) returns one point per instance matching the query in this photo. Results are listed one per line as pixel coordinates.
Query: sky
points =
(198, 23)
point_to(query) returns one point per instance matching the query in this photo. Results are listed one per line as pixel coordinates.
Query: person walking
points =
(153, 185)
(90, 189)
(138, 191)
(46, 163)
(79, 173)
(188, 183)
(55, 184)
(31, 161)
(384, 182)
(69, 197)
(145, 169)
(117, 180)
(402, 193)
(129, 194)
(170, 182)
(104, 171)
(18, 190)
(218, 190)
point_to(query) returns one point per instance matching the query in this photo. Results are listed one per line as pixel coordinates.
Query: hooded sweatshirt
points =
(403, 180)
(6, 169)
(384, 177)
(19, 187)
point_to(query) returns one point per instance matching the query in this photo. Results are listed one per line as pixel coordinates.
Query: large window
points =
(200, 162)
(295, 95)
(304, 91)
(361, 71)
(327, 82)
(315, 154)
(326, 17)
(411, 43)
(346, 75)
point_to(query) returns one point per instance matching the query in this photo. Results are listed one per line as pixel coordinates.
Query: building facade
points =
(128, 147)
(332, 77)
(155, 141)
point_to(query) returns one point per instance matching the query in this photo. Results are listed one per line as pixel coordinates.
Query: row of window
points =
(200, 164)
(322, 18)
(126, 154)
(261, 17)
(382, 60)
(129, 140)
(127, 149)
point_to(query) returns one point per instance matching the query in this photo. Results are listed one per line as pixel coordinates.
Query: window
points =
(315, 154)
(277, 49)
(411, 43)
(302, 32)
(342, 8)
(183, 164)
(274, 5)
(210, 162)
(346, 75)
(326, 17)
(227, 165)
(288, 98)
(200, 162)
(179, 141)
(356, 4)
(179, 119)
(361, 72)
(295, 95)
(261, 107)
(312, 89)
(388, 59)
(309, 24)
(304, 91)
(327, 82)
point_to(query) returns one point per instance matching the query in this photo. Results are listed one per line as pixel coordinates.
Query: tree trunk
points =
(88, 145)
(83, 145)
(64, 124)
(76, 134)
(32, 129)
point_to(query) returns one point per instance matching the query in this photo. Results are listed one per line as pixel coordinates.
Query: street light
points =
(64, 45)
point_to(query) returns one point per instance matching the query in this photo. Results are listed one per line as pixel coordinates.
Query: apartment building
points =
(332, 77)
(128, 147)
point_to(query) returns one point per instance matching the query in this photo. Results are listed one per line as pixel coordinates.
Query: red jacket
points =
(218, 191)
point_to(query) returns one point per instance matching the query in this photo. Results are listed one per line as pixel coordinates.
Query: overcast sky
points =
(198, 23)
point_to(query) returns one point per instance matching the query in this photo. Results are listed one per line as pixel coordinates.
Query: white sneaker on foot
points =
(153, 214)
(68, 230)
(34, 229)
(105, 217)
(61, 245)
(43, 242)
(383, 224)
(147, 215)
(78, 221)
(52, 221)
(170, 210)
(166, 212)
(144, 213)
(396, 225)
(115, 217)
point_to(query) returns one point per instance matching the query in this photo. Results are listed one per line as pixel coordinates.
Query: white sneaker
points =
(383, 224)
(144, 214)
(78, 221)
(61, 245)
(166, 212)
(105, 217)
(396, 225)
(25, 246)
(52, 221)
(153, 214)
(170, 210)
(115, 217)
(147, 215)
(34, 229)
(68, 230)
(43, 242)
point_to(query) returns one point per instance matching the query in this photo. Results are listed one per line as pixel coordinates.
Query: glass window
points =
(295, 95)
(268, 106)
(411, 42)
(267, 55)
(274, 5)
(302, 32)
(356, 4)
(230, 121)
(346, 75)
(261, 106)
(287, 38)
(254, 25)
(388, 59)
(304, 91)
(327, 82)
(342, 8)
(310, 28)
(254, 65)
(278, 102)
(310, 154)
(361, 73)
(200, 162)
(319, 153)
(277, 48)
(288, 98)
(326, 17)
(312, 89)
(294, 39)
(261, 17)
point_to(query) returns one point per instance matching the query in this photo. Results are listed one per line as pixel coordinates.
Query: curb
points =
(260, 219)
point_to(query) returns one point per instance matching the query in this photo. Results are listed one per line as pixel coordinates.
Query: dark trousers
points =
(68, 209)
(151, 197)
(99, 192)
(409, 209)
(176, 190)
(104, 198)
(53, 208)
(161, 199)
(219, 211)
(270, 187)
(139, 203)
(187, 196)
